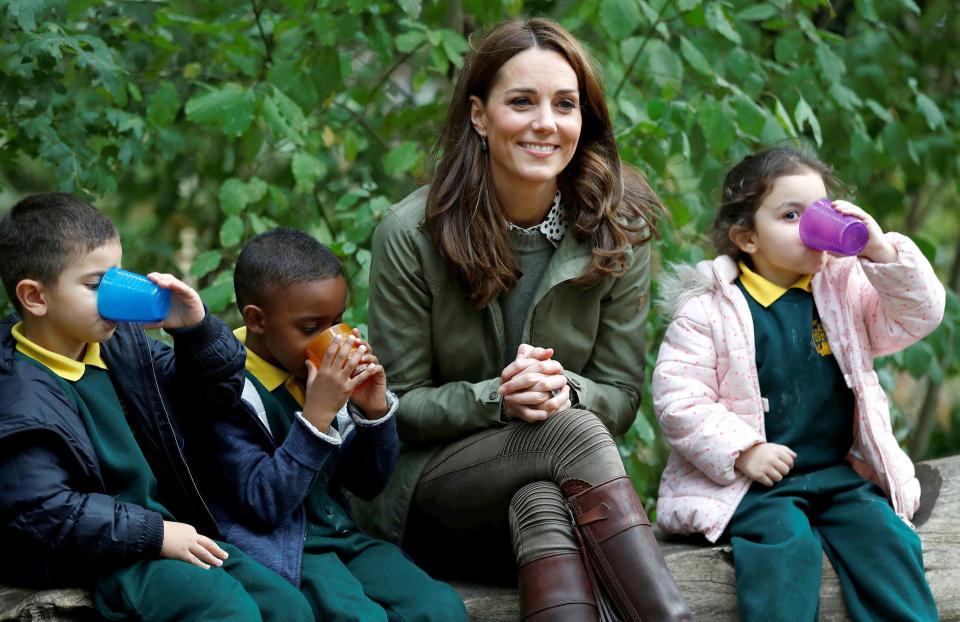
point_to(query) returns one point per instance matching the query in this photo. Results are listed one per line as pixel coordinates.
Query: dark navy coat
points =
(256, 487)
(58, 524)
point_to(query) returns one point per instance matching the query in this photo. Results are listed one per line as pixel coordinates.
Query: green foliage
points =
(197, 125)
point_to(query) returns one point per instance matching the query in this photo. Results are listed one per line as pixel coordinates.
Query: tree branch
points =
(257, 11)
(636, 57)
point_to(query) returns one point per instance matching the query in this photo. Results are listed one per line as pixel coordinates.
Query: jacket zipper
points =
(756, 382)
(142, 339)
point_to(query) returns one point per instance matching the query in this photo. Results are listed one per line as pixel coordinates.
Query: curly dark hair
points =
(747, 185)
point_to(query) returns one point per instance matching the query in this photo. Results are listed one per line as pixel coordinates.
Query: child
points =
(92, 479)
(765, 390)
(293, 441)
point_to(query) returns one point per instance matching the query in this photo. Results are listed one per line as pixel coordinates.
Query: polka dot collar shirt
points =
(554, 226)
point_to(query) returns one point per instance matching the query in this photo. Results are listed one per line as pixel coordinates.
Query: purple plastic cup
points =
(823, 228)
(125, 296)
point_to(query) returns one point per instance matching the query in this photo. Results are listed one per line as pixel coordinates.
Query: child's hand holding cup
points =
(321, 343)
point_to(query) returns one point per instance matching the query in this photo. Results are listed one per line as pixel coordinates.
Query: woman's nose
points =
(544, 120)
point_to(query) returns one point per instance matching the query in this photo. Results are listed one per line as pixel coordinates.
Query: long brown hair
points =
(613, 206)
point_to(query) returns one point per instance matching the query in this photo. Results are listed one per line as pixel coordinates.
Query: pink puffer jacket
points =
(706, 393)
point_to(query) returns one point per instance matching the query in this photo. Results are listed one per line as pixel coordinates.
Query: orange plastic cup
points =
(318, 347)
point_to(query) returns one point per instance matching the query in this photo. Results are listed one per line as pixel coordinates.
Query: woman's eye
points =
(520, 101)
(567, 105)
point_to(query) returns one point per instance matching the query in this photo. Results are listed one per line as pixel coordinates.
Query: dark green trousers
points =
(169, 589)
(778, 533)
(356, 577)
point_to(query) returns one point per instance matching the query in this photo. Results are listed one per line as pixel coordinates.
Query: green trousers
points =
(169, 589)
(356, 577)
(778, 533)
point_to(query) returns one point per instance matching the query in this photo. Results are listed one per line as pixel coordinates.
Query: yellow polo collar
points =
(269, 375)
(765, 292)
(63, 366)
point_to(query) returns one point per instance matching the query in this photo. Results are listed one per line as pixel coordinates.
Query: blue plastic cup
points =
(125, 296)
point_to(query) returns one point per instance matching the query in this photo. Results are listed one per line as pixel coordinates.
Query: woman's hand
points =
(186, 308)
(181, 541)
(767, 463)
(878, 249)
(533, 386)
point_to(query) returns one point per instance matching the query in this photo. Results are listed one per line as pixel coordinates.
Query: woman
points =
(530, 234)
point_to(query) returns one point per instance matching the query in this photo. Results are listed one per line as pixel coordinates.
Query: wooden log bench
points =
(704, 573)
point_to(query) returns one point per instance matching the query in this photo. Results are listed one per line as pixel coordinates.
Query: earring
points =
(483, 143)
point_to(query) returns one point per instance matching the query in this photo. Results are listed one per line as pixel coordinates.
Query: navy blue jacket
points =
(256, 489)
(57, 520)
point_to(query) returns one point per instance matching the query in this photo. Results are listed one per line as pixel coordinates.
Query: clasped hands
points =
(533, 386)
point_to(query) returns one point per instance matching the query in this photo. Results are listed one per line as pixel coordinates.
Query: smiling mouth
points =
(539, 148)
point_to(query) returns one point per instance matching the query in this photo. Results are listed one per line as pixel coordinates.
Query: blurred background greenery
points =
(195, 125)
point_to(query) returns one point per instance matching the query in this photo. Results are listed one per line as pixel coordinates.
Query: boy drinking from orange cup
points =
(304, 430)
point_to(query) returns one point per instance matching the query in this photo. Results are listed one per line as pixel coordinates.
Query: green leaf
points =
(718, 126)
(780, 113)
(750, 117)
(928, 108)
(307, 171)
(411, 8)
(867, 10)
(694, 58)
(230, 108)
(25, 12)
(911, 5)
(233, 196)
(409, 41)
(831, 66)
(218, 296)
(619, 18)
(662, 63)
(284, 117)
(718, 21)
(401, 158)
(803, 115)
(789, 46)
(205, 263)
(758, 12)
(231, 231)
(455, 46)
(326, 72)
(845, 98)
(882, 113)
(163, 104)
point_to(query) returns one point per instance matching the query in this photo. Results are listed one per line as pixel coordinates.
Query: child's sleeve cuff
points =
(331, 436)
(357, 415)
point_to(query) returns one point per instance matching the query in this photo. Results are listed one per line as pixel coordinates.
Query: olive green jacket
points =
(443, 358)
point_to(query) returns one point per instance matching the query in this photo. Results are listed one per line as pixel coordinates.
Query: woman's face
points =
(531, 119)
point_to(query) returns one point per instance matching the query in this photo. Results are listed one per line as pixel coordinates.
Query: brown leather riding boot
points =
(556, 589)
(623, 552)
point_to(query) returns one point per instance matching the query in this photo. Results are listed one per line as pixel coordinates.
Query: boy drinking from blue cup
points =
(302, 433)
(94, 489)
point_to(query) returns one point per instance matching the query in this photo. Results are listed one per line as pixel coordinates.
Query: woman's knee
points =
(580, 444)
(540, 523)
